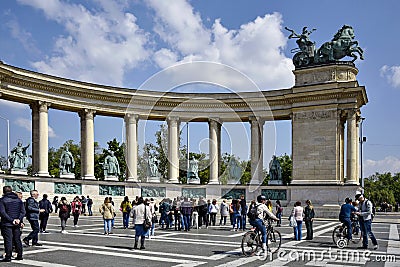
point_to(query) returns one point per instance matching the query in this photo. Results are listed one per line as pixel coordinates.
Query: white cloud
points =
(255, 48)
(13, 105)
(23, 36)
(388, 164)
(27, 125)
(392, 75)
(100, 44)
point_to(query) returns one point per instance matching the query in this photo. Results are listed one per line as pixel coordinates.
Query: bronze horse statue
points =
(342, 45)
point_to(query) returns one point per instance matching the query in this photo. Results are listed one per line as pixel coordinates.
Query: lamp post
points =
(187, 152)
(362, 141)
(8, 141)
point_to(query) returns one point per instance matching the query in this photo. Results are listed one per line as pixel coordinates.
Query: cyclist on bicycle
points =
(345, 213)
(260, 222)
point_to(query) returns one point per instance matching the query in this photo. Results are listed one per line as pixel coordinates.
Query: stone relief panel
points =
(234, 193)
(194, 192)
(147, 191)
(315, 115)
(111, 190)
(67, 188)
(274, 194)
(20, 185)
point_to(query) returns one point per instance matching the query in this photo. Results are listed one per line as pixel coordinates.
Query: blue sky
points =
(123, 43)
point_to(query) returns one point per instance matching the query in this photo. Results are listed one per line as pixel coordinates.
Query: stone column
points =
(173, 149)
(87, 144)
(131, 122)
(358, 119)
(351, 148)
(341, 148)
(35, 137)
(214, 149)
(257, 129)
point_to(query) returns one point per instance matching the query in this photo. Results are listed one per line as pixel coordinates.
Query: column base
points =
(67, 176)
(213, 182)
(132, 179)
(173, 181)
(352, 183)
(88, 177)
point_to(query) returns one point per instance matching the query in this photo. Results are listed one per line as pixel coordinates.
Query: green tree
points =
(383, 188)
(119, 153)
(287, 168)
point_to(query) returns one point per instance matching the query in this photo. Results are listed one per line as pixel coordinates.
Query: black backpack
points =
(252, 214)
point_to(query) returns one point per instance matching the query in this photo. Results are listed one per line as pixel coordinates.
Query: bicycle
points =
(339, 234)
(251, 241)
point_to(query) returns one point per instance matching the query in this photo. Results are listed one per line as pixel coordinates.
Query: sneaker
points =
(18, 258)
(64, 232)
(376, 247)
(26, 241)
(37, 245)
(45, 232)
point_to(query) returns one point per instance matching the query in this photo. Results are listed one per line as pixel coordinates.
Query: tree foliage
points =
(383, 187)
(55, 155)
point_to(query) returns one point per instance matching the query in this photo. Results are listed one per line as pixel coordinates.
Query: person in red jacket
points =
(76, 207)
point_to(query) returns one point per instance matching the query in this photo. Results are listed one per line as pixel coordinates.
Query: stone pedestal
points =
(275, 182)
(19, 172)
(153, 179)
(67, 176)
(111, 178)
(193, 181)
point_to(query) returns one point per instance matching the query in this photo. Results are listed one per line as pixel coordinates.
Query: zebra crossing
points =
(215, 246)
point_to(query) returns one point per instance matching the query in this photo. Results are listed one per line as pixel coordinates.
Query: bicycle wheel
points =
(339, 232)
(249, 243)
(273, 241)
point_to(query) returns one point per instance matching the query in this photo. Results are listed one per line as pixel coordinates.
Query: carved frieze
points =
(315, 115)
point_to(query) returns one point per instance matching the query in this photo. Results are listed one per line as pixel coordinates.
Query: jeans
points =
(90, 210)
(125, 219)
(186, 221)
(12, 235)
(35, 231)
(367, 231)
(63, 223)
(76, 217)
(279, 216)
(213, 218)
(347, 222)
(164, 219)
(309, 226)
(43, 221)
(223, 218)
(258, 223)
(243, 221)
(203, 218)
(107, 225)
(236, 221)
(297, 230)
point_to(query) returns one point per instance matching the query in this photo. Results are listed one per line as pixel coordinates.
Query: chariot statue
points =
(342, 45)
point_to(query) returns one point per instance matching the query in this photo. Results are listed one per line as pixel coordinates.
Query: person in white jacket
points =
(213, 210)
(139, 213)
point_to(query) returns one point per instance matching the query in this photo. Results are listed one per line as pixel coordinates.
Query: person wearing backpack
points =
(89, 203)
(32, 214)
(44, 216)
(279, 212)
(365, 214)
(258, 215)
(64, 212)
(76, 206)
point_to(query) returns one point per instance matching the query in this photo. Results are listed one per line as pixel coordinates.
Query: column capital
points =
(131, 118)
(254, 120)
(40, 106)
(173, 120)
(87, 113)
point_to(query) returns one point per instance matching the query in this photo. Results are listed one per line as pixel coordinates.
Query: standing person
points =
(44, 216)
(114, 214)
(237, 209)
(195, 215)
(203, 212)
(187, 211)
(309, 215)
(55, 203)
(243, 213)
(165, 210)
(213, 210)
(64, 213)
(12, 211)
(153, 209)
(279, 211)
(297, 213)
(89, 203)
(208, 212)
(76, 210)
(140, 213)
(84, 203)
(365, 214)
(126, 208)
(32, 214)
(107, 211)
(224, 212)
(176, 208)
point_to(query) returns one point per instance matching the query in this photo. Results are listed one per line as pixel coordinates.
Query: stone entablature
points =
(340, 88)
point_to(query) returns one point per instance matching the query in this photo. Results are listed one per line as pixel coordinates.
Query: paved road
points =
(216, 246)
